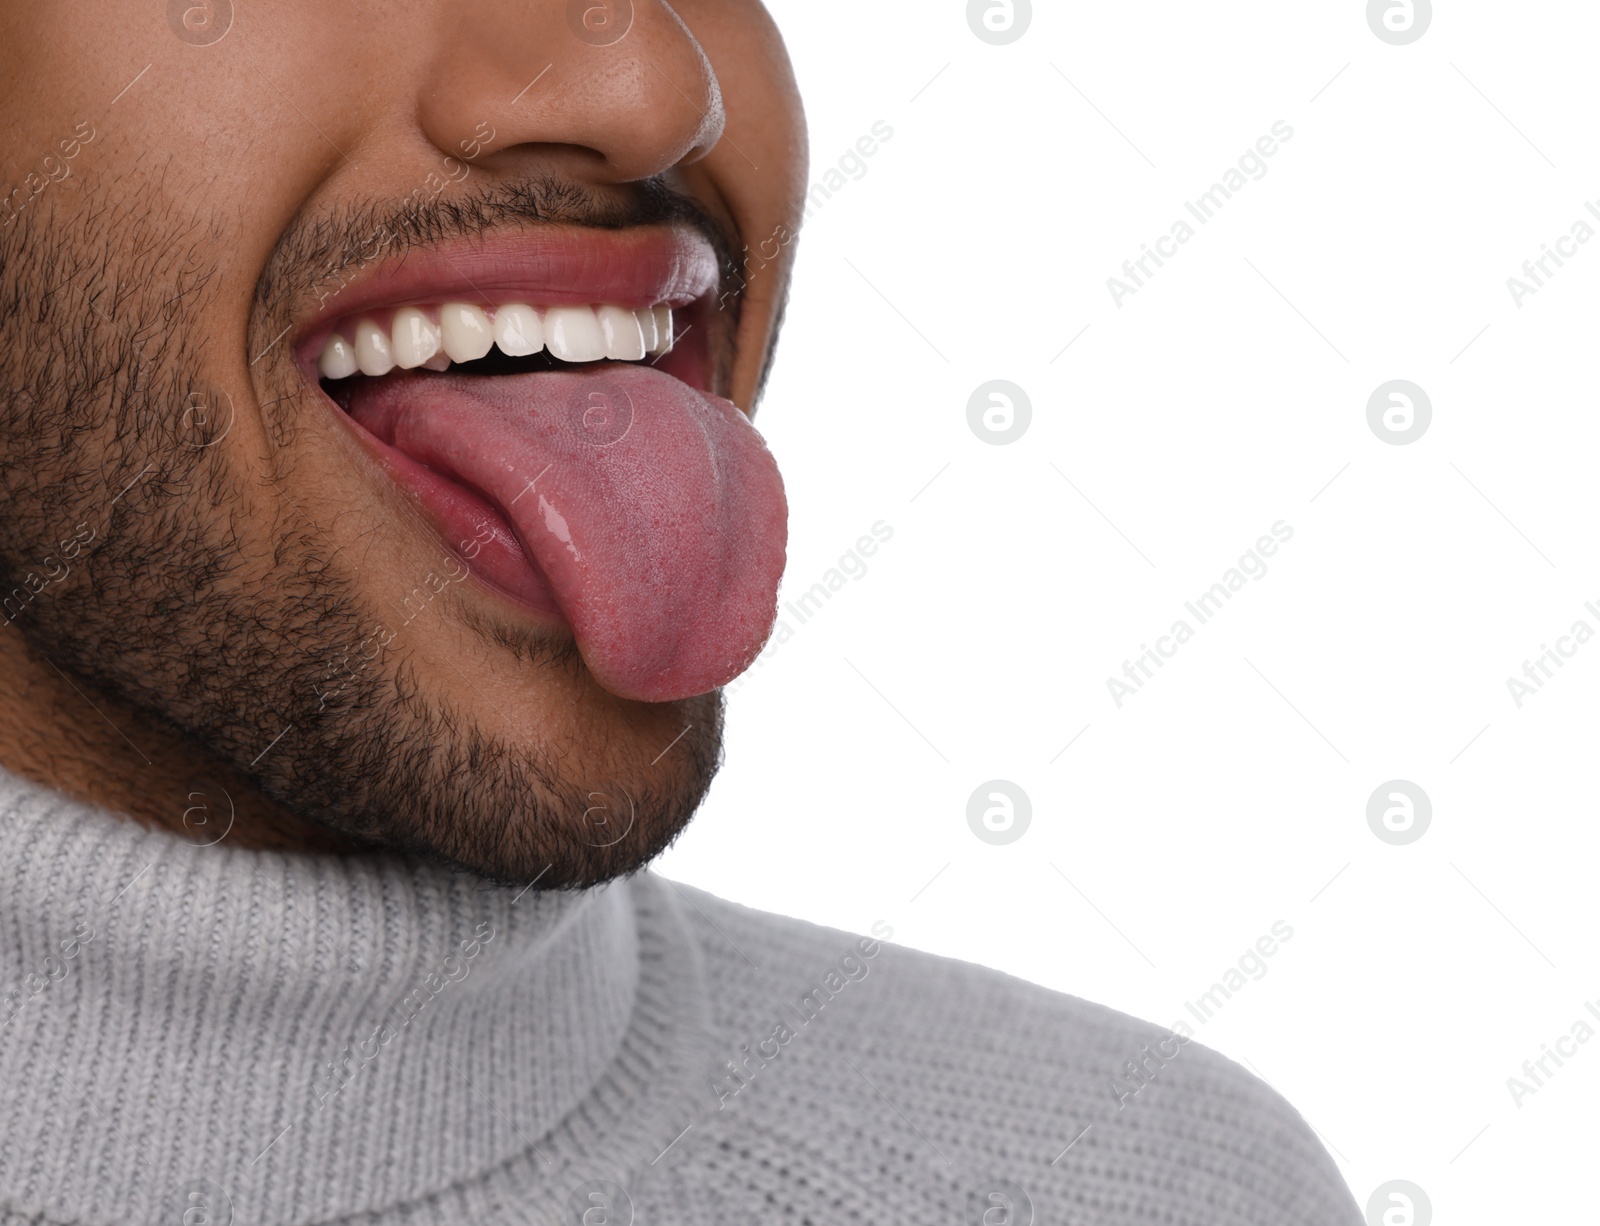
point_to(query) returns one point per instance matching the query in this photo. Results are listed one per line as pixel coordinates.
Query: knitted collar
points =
(317, 1035)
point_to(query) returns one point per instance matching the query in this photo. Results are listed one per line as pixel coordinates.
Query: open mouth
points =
(546, 406)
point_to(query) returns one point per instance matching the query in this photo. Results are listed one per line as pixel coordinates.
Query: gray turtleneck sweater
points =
(199, 1036)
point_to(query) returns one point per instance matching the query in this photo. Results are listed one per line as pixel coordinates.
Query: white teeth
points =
(624, 338)
(647, 326)
(518, 330)
(465, 332)
(664, 337)
(373, 354)
(416, 338)
(338, 360)
(573, 334)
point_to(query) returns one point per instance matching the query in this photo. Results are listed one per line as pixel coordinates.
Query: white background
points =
(1231, 791)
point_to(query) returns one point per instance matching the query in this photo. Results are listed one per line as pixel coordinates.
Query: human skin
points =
(193, 666)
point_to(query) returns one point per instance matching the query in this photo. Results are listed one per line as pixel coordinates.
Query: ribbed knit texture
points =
(270, 1038)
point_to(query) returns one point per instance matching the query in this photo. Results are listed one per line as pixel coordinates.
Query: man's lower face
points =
(448, 548)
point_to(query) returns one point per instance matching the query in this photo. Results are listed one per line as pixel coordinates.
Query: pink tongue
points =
(655, 511)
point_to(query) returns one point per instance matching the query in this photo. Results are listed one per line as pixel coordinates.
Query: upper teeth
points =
(461, 332)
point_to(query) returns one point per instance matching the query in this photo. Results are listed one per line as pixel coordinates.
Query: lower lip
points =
(470, 527)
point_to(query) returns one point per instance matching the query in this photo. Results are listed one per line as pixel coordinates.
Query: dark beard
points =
(276, 664)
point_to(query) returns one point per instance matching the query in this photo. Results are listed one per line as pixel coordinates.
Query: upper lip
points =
(547, 265)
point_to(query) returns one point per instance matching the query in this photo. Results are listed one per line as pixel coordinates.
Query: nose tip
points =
(647, 111)
(623, 80)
